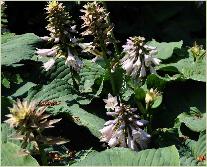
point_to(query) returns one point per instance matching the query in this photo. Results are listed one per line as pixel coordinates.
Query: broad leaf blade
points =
(167, 156)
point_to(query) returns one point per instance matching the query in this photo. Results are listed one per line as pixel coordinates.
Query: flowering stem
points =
(43, 155)
(103, 48)
(112, 34)
(73, 78)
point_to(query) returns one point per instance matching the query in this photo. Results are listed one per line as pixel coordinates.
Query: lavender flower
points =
(48, 65)
(139, 57)
(73, 61)
(126, 130)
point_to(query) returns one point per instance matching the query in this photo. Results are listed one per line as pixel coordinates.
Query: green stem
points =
(43, 155)
(73, 78)
(112, 34)
(108, 66)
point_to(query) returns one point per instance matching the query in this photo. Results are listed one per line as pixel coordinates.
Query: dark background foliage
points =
(163, 21)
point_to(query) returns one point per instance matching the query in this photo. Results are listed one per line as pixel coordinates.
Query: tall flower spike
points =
(126, 129)
(62, 34)
(139, 58)
(29, 121)
(96, 25)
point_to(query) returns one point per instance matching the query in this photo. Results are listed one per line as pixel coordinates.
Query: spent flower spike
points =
(30, 120)
(139, 57)
(95, 24)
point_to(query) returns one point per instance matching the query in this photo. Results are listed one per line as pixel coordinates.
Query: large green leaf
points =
(167, 156)
(6, 37)
(165, 50)
(10, 149)
(23, 89)
(58, 71)
(193, 122)
(58, 89)
(10, 157)
(89, 74)
(81, 117)
(21, 47)
(192, 70)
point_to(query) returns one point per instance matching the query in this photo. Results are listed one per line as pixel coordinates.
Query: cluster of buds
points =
(126, 130)
(139, 58)
(151, 96)
(62, 34)
(29, 120)
(96, 24)
(197, 51)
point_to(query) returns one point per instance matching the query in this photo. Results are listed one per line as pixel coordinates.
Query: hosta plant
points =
(80, 96)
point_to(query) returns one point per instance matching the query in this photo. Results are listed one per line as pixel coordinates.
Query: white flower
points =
(97, 58)
(73, 61)
(73, 28)
(45, 38)
(47, 52)
(156, 61)
(106, 132)
(143, 71)
(56, 40)
(111, 102)
(48, 65)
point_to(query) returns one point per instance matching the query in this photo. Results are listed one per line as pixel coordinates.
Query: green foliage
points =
(157, 102)
(89, 74)
(10, 157)
(165, 50)
(10, 150)
(84, 118)
(190, 69)
(21, 47)
(195, 122)
(58, 90)
(167, 156)
(23, 89)
(6, 37)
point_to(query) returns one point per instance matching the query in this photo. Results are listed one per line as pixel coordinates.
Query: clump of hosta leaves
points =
(30, 120)
(62, 33)
(95, 24)
(126, 129)
(139, 58)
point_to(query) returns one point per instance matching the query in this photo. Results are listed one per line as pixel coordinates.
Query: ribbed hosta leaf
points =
(81, 117)
(58, 90)
(10, 157)
(10, 150)
(188, 161)
(190, 69)
(6, 37)
(194, 122)
(58, 71)
(89, 74)
(165, 49)
(21, 47)
(167, 156)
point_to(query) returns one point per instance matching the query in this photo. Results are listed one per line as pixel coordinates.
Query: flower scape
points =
(93, 90)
